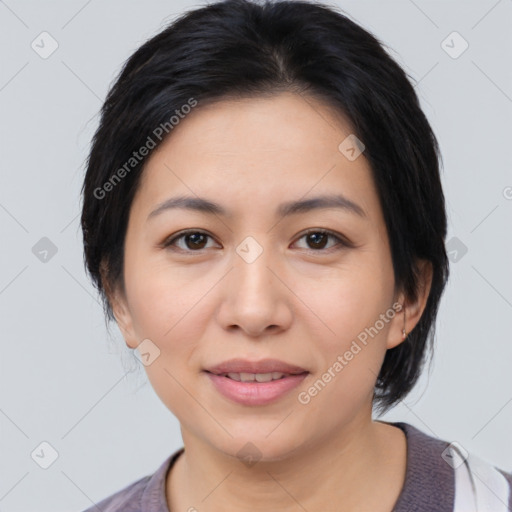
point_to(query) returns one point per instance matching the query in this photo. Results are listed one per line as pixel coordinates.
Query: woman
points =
(264, 218)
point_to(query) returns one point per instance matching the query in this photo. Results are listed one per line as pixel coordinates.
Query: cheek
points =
(350, 304)
(170, 309)
(347, 300)
(159, 299)
(168, 313)
(351, 357)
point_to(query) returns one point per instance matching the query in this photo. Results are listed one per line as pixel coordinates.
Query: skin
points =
(296, 302)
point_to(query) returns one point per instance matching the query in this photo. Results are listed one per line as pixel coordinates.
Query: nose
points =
(255, 298)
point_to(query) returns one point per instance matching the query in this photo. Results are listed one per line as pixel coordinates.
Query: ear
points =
(120, 309)
(412, 309)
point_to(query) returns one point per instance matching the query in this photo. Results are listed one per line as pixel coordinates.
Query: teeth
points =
(258, 377)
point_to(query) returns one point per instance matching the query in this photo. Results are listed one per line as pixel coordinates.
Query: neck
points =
(364, 463)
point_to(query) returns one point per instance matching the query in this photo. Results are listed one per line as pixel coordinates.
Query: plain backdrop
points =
(62, 381)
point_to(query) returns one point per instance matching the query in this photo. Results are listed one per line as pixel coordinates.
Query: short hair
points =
(247, 49)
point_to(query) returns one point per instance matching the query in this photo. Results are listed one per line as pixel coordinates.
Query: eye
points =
(194, 240)
(317, 240)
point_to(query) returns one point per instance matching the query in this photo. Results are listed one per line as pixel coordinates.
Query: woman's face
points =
(251, 284)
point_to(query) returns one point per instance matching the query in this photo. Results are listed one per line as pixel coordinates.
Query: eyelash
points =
(341, 242)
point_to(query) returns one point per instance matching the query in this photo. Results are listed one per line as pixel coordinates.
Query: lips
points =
(255, 393)
(264, 366)
(253, 383)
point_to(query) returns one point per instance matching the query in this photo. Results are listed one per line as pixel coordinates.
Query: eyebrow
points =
(200, 204)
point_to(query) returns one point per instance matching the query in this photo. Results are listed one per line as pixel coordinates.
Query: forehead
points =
(279, 123)
(262, 149)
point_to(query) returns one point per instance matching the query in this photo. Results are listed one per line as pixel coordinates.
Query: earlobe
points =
(399, 324)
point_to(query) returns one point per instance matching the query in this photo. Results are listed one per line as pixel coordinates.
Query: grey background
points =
(62, 381)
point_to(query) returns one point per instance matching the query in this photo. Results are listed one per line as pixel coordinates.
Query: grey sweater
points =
(429, 482)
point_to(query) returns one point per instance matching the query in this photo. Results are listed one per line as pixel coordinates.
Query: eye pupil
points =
(314, 237)
(195, 239)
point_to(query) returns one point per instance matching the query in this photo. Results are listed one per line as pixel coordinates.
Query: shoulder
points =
(443, 476)
(146, 494)
(127, 499)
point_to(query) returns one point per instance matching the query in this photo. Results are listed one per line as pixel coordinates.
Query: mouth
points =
(266, 369)
(256, 377)
(255, 389)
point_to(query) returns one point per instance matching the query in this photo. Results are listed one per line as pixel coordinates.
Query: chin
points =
(255, 443)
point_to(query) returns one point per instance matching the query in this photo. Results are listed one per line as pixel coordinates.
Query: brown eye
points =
(196, 240)
(318, 239)
(193, 241)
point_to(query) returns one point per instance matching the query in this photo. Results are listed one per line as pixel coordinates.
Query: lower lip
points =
(255, 393)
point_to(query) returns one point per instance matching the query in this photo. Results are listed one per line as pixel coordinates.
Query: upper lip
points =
(262, 366)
